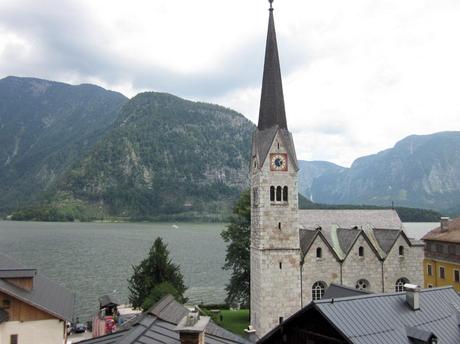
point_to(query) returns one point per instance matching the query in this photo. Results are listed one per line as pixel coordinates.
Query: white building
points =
(33, 309)
(296, 254)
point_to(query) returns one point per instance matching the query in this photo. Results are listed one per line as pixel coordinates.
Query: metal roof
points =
(46, 295)
(383, 318)
(17, 273)
(336, 290)
(272, 111)
(157, 326)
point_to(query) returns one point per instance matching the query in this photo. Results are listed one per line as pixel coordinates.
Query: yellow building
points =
(442, 255)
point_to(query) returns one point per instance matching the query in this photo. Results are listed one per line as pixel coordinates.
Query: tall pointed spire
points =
(272, 110)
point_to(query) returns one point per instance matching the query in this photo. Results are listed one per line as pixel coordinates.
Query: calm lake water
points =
(93, 259)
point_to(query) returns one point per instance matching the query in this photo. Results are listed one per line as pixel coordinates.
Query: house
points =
(169, 322)
(415, 316)
(33, 309)
(442, 255)
(296, 254)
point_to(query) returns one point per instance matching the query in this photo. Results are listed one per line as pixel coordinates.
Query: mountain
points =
(164, 156)
(45, 127)
(419, 171)
(310, 170)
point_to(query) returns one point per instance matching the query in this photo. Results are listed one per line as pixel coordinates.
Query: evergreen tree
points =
(238, 235)
(155, 277)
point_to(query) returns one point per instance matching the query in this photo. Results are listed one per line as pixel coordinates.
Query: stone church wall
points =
(409, 266)
(367, 267)
(325, 269)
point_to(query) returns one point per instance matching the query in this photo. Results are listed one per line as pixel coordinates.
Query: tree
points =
(238, 235)
(155, 277)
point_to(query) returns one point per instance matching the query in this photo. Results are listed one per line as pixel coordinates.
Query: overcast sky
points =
(359, 75)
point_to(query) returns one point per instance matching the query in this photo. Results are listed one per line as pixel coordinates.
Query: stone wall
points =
(367, 267)
(326, 269)
(409, 265)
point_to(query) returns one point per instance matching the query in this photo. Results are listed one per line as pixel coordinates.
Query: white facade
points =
(33, 332)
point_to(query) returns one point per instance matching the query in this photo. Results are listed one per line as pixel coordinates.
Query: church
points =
(296, 254)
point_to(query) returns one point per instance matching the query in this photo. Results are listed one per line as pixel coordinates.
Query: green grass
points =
(234, 321)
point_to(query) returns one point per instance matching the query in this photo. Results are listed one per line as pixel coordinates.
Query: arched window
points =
(272, 193)
(362, 284)
(361, 251)
(401, 250)
(285, 194)
(317, 290)
(399, 286)
(279, 225)
(278, 194)
(319, 252)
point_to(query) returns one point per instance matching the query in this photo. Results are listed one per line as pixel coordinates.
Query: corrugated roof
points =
(45, 295)
(383, 318)
(336, 291)
(452, 235)
(157, 326)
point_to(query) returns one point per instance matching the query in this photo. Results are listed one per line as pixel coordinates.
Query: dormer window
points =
(361, 251)
(401, 251)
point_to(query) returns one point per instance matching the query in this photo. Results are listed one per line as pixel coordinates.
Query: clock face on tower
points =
(278, 162)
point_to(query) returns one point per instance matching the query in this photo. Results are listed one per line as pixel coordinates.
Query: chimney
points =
(191, 328)
(445, 224)
(412, 296)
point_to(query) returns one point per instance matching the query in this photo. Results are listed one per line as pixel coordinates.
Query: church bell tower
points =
(275, 251)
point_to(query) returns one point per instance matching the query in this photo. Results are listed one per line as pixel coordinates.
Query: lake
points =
(93, 259)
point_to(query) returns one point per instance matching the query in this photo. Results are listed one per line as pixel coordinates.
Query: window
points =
(399, 286)
(429, 270)
(281, 320)
(428, 246)
(319, 252)
(14, 339)
(317, 290)
(6, 303)
(361, 251)
(281, 265)
(285, 194)
(401, 251)
(272, 193)
(439, 248)
(255, 197)
(451, 249)
(279, 225)
(457, 276)
(442, 272)
(278, 194)
(362, 284)
(430, 286)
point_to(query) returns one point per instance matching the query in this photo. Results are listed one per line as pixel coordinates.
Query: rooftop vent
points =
(412, 296)
(445, 224)
(192, 328)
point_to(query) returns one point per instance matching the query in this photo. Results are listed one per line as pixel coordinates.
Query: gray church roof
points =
(336, 290)
(341, 228)
(272, 111)
(45, 295)
(157, 326)
(325, 218)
